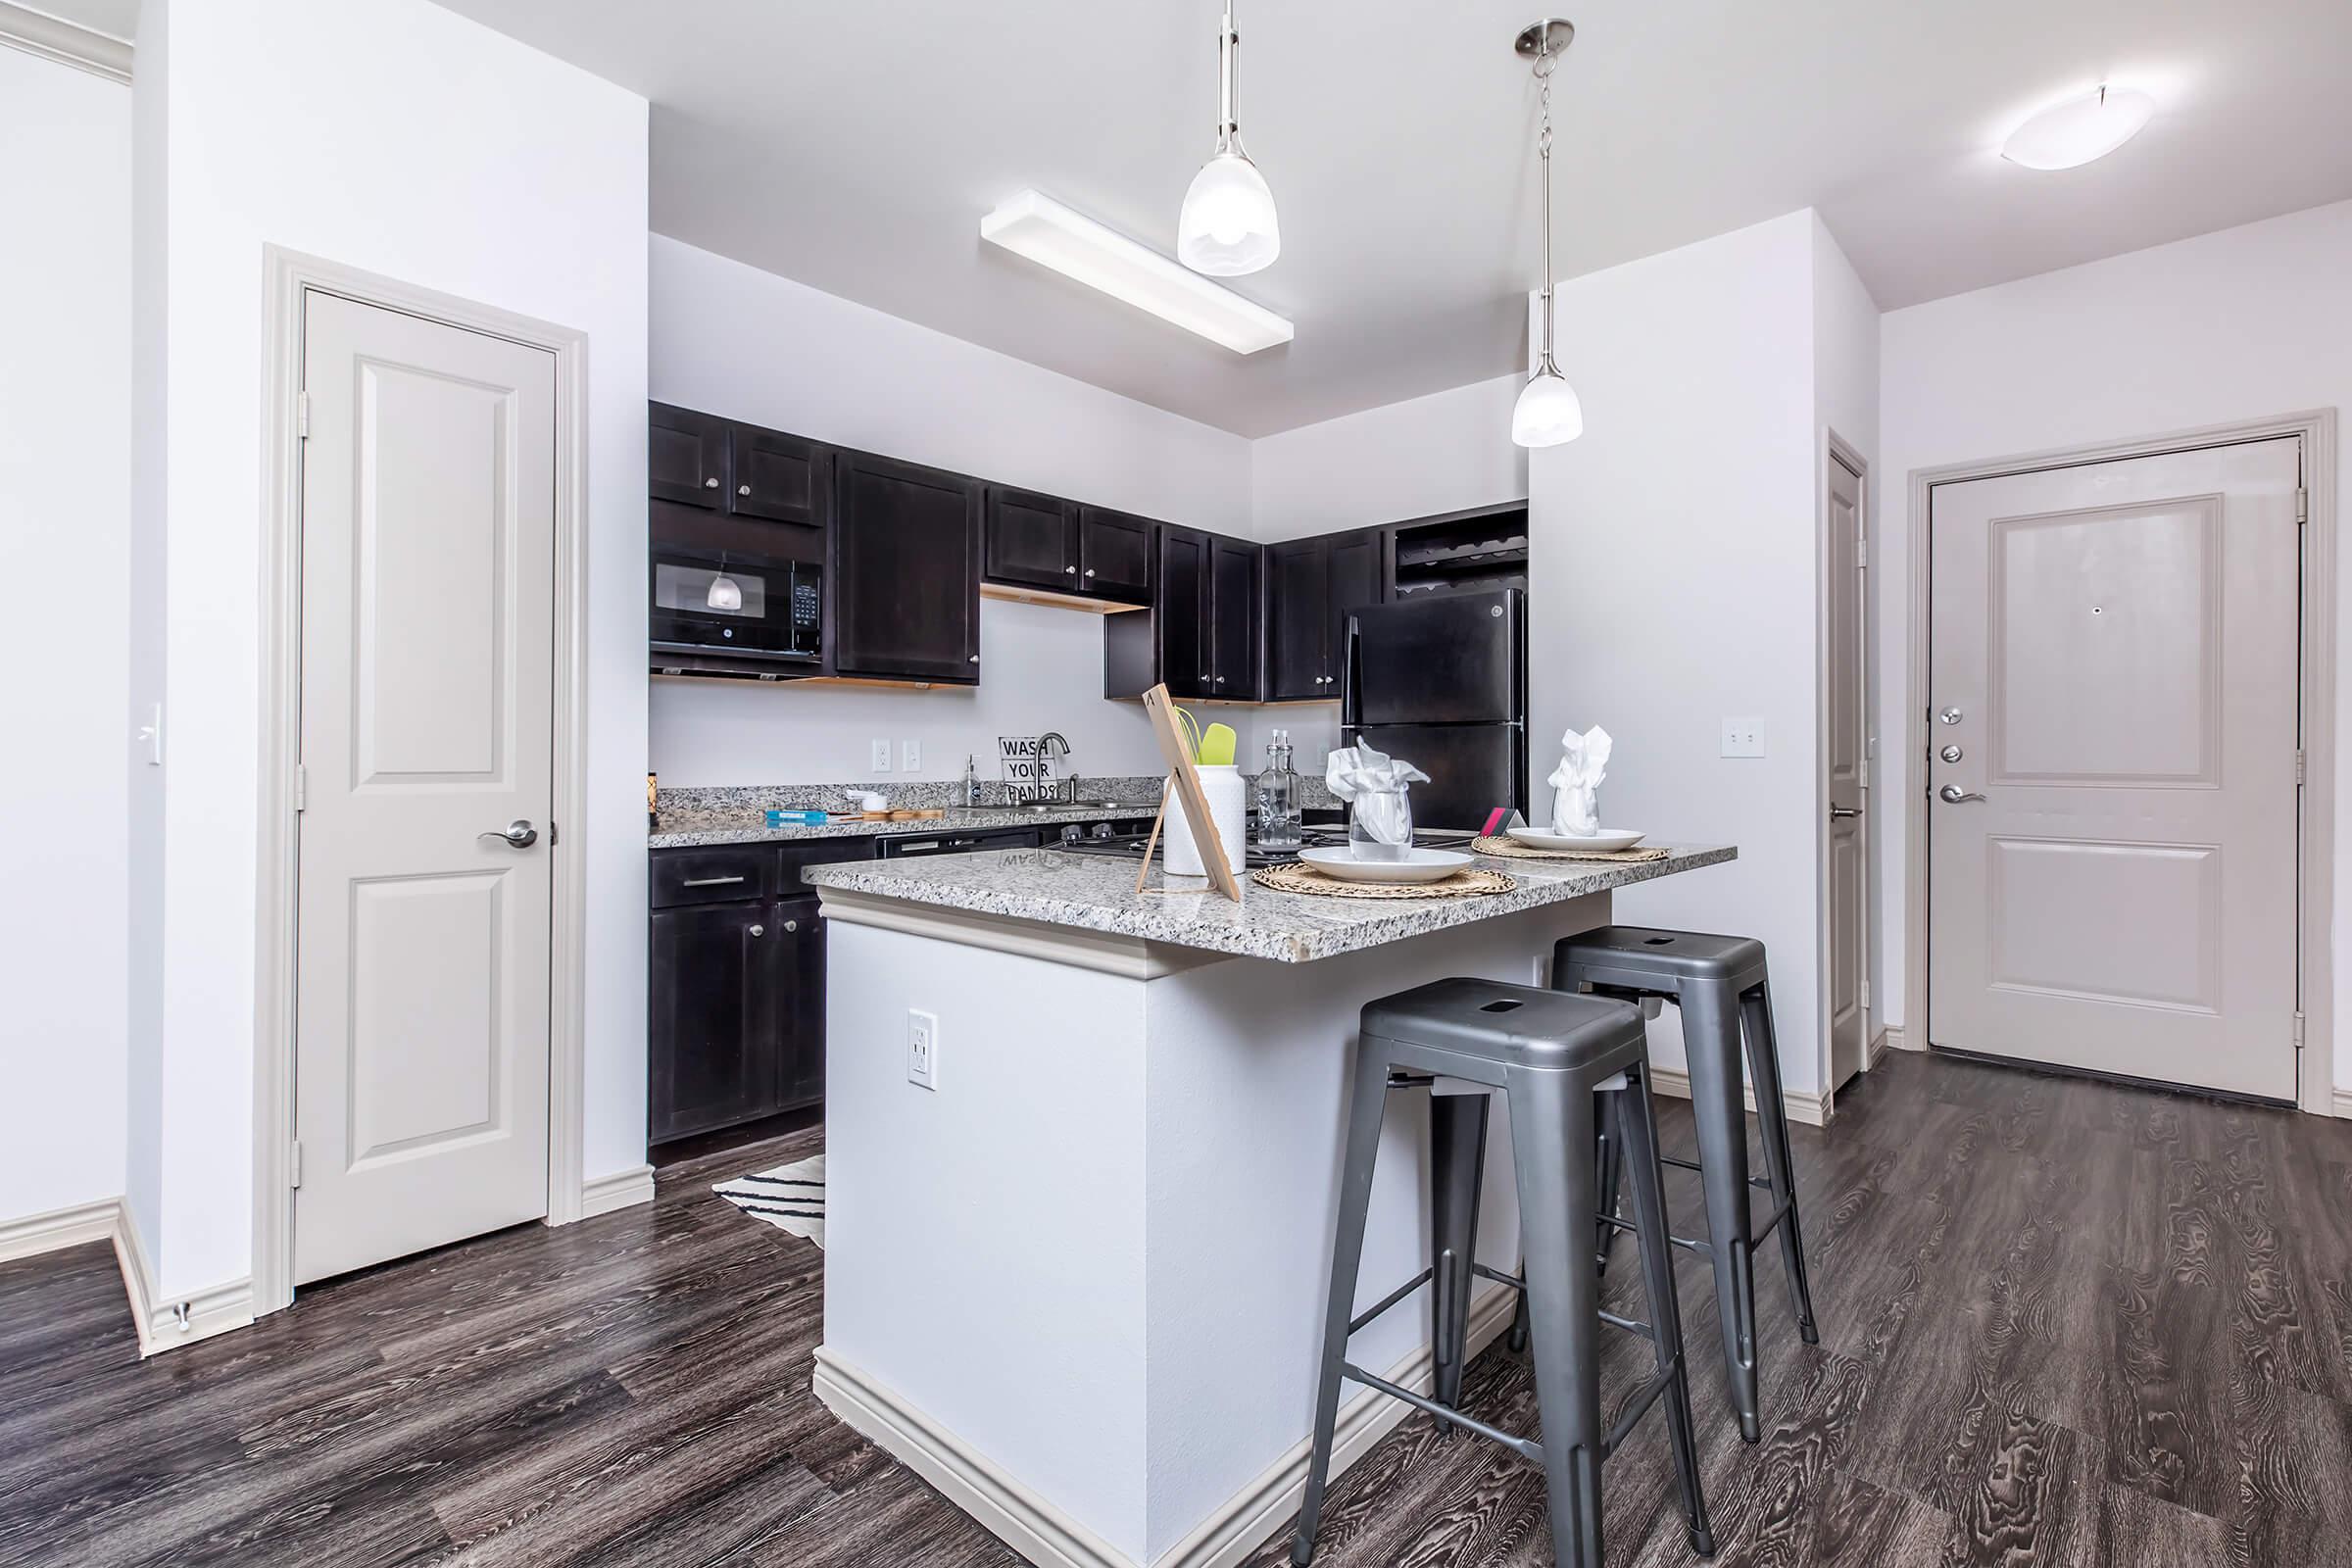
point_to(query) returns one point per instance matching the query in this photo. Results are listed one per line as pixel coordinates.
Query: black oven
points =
(754, 607)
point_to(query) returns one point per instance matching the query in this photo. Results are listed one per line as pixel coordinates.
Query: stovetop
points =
(1083, 840)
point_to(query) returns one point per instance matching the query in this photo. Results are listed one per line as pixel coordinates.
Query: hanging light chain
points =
(1545, 60)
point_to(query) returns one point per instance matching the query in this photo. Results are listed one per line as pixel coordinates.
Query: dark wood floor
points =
(2062, 1323)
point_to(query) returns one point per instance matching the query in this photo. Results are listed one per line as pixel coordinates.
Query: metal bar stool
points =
(1720, 984)
(1554, 1057)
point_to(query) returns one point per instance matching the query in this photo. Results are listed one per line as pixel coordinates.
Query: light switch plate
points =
(910, 757)
(1744, 737)
(922, 1049)
(881, 756)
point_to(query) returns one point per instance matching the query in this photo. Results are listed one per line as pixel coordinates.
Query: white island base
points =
(1077, 1286)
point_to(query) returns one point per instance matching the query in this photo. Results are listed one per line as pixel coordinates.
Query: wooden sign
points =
(1185, 782)
(1023, 765)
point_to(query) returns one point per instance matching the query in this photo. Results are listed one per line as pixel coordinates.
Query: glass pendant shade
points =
(1547, 412)
(726, 593)
(1228, 225)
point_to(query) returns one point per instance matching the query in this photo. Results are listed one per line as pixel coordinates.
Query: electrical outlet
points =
(910, 757)
(922, 1049)
(1744, 737)
(881, 756)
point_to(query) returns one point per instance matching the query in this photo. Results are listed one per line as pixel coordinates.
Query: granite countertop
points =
(691, 828)
(1097, 893)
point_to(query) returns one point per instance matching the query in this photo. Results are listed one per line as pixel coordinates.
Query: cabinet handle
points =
(759, 930)
(791, 925)
(710, 881)
(974, 660)
(1072, 570)
(1089, 572)
(711, 484)
(743, 489)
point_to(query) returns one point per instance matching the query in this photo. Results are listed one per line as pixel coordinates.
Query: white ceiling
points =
(854, 144)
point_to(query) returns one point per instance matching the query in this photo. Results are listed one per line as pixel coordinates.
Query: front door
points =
(427, 679)
(2112, 768)
(1845, 837)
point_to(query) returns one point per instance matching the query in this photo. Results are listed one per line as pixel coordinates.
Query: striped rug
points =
(791, 1198)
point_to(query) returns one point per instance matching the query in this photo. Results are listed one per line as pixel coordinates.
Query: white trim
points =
(1042, 1533)
(1131, 957)
(58, 1228)
(623, 1188)
(1836, 450)
(2341, 1104)
(2316, 849)
(67, 43)
(1891, 1038)
(1814, 1110)
(290, 275)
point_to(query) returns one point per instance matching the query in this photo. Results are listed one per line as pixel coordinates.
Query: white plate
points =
(1425, 866)
(1603, 841)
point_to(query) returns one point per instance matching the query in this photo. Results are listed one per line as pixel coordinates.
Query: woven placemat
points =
(1512, 849)
(1468, 883)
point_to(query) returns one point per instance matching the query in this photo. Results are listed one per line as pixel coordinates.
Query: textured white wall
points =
(65, 550)
(2239, 325)
(394, 136)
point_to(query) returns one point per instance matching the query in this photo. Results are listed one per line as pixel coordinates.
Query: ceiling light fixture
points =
(1036, 226)
(1228, 225)
(2074, 132)
(1547, 412)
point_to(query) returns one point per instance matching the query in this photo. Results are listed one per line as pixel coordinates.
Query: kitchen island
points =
(1076, 1283)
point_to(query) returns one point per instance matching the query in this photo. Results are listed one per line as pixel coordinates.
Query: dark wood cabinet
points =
(778, 477)
(1114, 555)
(1233, 618)
(906, 571)
(1180, 613)
(800, 973)
(1032, 540)
(1311, 584)
(1202, 637)
(714, 989)
(686, 457)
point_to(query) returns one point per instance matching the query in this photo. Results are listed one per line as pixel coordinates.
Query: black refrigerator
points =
(1440, 680)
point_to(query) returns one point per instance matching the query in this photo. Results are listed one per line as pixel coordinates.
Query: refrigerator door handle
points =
(1347, 657)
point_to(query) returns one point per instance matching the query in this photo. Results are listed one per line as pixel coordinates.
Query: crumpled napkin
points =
(1371, 780)
(1584, 762)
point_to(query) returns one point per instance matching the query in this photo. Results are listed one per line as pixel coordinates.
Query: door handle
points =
(1841, 813)
(519, 833)
(1953, 795)
(759, 930)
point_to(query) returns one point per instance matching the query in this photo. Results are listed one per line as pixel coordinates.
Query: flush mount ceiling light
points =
(1228, 225)
(1547, 412)
(2065, 135)
(1037, 226)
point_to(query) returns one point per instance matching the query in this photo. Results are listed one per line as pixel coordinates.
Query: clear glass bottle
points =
(1276, 792)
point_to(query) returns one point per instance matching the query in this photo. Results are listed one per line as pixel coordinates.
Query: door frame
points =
(290, 275)
(1836, 449)
(2315, 846)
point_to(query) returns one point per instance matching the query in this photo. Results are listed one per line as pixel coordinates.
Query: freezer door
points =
(1472, 769)
(1449, 659)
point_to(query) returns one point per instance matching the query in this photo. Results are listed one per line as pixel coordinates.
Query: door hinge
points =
(551, 835)
(301, 790)
(295, 1164)
(1862, 774)
(2302, 505)
(1862, 554)
(1865, 996)
(302, 416)
(2299, 1031)
(2301, 767)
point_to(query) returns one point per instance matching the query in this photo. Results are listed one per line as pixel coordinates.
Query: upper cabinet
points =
(1236, 589)
(778, 477)
(686, 457)
(1311, 584)
(906, 571)
(1115, 555)
(1201, 636)
(1032, 539)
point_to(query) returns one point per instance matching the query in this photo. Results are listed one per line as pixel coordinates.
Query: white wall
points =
(394, 136)
(65, 640)
(2239, 325)
(1672, 550)
(736, 341)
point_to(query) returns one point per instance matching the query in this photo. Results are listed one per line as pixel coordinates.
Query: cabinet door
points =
(712, 990)
(685, 456)
(1359, 576)
(779, 477)
(1234, 620)
(1032, 539)
(1114, 555)
(1297, 619)
(1180, 613)
(906, 571)
(799, 938)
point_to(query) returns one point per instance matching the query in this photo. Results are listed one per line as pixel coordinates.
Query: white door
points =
(423, 937)
(2112, 816)
(1846, 839)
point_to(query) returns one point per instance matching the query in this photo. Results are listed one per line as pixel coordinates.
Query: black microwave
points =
(706, 601)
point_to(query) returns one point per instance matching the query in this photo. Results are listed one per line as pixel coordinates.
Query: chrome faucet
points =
(1051, 746)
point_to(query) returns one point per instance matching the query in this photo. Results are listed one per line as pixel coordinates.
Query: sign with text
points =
(1028, 773)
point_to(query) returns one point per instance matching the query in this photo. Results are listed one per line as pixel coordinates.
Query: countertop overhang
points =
(1096, 893)
(694, 829)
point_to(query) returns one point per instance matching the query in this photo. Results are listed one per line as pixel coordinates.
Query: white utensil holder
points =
(1228, 807)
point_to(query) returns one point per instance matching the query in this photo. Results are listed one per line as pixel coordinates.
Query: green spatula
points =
(1217, 743)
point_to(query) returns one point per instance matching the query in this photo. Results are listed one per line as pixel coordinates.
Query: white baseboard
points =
(72, 1226)
(1896, 1040)
(1033, 1526)
(623, 1188)
(1811, 1110)
(169, 1325)
(2344, 1104)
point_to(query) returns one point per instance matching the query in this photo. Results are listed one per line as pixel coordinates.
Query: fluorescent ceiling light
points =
(2079, 129)
(1075, 245)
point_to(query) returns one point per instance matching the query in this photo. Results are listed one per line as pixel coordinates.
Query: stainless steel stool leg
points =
(1551, 1143)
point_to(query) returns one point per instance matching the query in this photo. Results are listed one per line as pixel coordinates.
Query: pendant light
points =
(1228, 226)
(725, 592)
(1547, 412)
